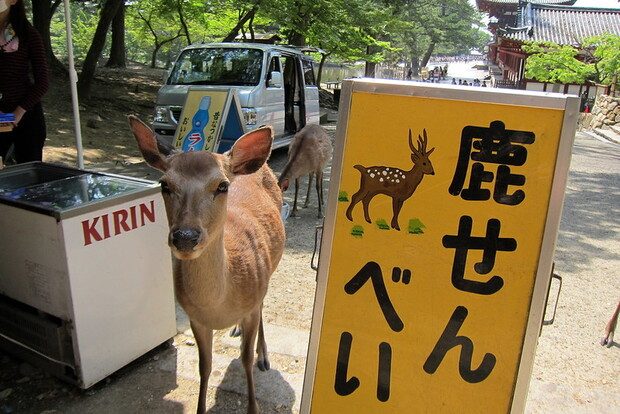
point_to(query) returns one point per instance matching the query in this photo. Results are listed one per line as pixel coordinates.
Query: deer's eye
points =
(222, 188)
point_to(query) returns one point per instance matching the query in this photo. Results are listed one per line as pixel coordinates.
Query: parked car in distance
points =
(276, 86)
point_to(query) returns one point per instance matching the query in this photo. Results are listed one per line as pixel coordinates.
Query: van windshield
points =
(218, 66)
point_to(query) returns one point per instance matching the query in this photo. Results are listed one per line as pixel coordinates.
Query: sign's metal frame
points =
(568, 103)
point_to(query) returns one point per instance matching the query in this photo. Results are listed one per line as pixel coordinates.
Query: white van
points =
(275, 84)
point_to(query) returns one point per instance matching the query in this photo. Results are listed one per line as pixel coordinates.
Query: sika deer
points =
(393, 182)
(226, 236)
(309, 152)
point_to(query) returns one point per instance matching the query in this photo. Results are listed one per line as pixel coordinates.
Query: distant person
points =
(409, 73)
(460, 81)
(22, 54)
(484, 84)
(453, 81)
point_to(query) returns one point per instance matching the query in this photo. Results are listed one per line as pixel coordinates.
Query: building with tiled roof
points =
(506, 12)
(562, 24)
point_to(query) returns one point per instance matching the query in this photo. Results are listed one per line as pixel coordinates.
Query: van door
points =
(294, 94)
(273, 103)
(311, 92)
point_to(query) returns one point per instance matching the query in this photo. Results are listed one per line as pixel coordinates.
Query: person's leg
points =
(6, 139)
(30, 136)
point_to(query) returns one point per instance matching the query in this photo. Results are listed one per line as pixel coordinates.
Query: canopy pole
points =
(74, 94)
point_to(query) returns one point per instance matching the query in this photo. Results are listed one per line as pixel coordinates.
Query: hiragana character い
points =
(371, 270)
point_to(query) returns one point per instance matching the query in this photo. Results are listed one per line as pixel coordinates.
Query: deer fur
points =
(309, 152)
(226, 237)
(393, 182)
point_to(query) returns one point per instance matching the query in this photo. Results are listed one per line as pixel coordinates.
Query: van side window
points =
(308, 72)
(274, 66)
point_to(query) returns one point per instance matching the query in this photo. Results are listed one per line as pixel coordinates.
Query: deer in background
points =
(393, 182)
(226, 237)
(309, 152)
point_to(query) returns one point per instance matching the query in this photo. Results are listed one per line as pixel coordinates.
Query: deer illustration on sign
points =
(393, 182)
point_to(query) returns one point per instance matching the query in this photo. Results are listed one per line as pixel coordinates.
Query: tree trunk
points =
(110, 7)
(235, 30)
(371, 67)
(183, 23)
(154, 55)
(118, 55)
(42, 12)
(319, 74)
(427, 54)
(415, 65)
(297, 39)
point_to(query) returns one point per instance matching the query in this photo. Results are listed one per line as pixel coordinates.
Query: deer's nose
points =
(185, 239)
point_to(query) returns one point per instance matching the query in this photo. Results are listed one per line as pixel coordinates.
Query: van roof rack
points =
(307, 49)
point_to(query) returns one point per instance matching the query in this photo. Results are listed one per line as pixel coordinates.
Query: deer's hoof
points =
(235, 331)
(263, 364)
(607, 341)
(253, 408)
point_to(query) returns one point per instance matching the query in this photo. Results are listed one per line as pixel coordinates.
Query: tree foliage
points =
(596, 59)
(391, 31)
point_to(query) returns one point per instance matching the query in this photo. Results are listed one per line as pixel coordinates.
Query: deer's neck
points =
(204, 280)
(415, 173)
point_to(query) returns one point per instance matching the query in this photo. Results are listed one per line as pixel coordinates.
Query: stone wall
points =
(606, 111)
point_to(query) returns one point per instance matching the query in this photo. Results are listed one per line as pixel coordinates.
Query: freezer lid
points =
(64, 192)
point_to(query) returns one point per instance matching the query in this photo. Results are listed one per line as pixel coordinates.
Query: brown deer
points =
(226, 237)
(393, 182)
(309, 152)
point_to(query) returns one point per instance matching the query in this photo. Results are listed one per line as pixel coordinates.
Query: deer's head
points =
(419, 155)
(195, 185)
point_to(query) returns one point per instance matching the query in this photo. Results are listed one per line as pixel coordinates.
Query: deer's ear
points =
(147, 143)
(429, 152)
(251, 151)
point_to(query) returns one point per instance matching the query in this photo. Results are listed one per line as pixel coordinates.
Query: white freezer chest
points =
(85, 272)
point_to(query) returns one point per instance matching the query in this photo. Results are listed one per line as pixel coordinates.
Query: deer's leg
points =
(319, 191)
(321, 188)
(308, 193)
(396, 206)
(204, 340)
(250, 327)
(355, 198)
(608, 339)
(294, 211)
(261, 347)
(235, 331)
(366, 204)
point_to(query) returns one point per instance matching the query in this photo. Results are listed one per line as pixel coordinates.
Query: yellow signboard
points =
(432, 249)
(209, 117)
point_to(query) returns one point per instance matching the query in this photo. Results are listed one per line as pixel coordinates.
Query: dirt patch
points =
(105, 135)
